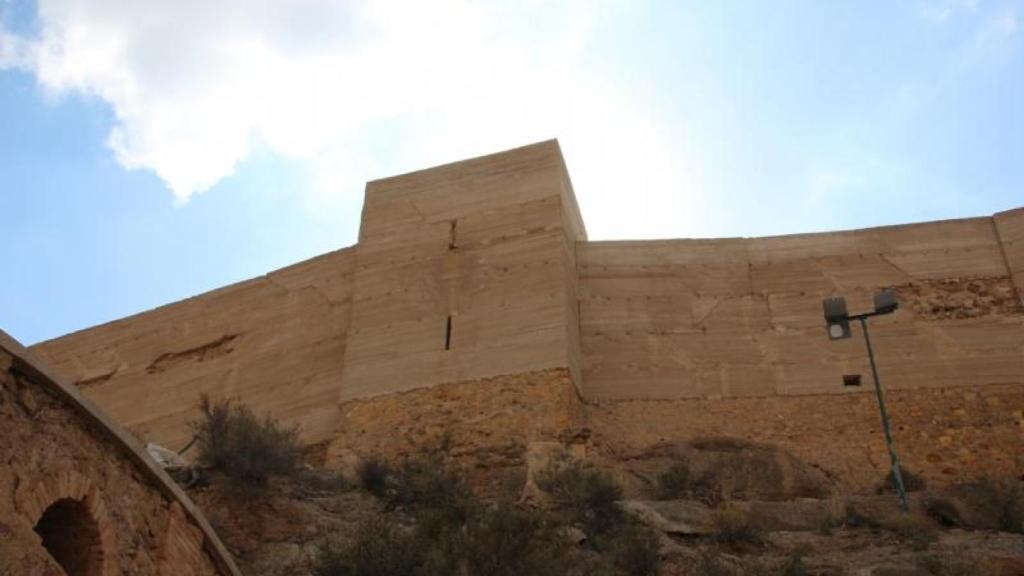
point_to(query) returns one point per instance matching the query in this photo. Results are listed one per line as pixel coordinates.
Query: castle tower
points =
(465, 271)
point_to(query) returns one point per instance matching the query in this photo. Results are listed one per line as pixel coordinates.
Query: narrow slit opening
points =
(451, 236)
(448, 334)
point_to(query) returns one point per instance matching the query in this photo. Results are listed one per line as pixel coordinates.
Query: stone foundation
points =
(486, 425)
(944, 435)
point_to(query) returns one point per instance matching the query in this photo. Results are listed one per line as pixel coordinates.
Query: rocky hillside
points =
(710, 507)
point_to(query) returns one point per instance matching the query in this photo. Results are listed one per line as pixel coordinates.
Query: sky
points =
(152, 150)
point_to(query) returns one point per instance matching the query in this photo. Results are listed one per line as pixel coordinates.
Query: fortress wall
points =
(742, 317)
(482, 242)
(275, 341)
(574, 232)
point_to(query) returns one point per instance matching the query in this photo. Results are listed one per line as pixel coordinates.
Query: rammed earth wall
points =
(482, 270)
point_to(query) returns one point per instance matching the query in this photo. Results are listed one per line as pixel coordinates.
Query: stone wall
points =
(480, 272)
(73, 495)
(486, 427)
(943, 434)
(742, 317)
(276, 341)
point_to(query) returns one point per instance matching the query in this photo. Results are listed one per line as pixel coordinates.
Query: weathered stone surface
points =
(71, 492)
(484, 425)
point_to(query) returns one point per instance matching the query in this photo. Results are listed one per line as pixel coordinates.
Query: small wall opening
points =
(448, 334)
(851, 379)
(72, 538)
(451, 236)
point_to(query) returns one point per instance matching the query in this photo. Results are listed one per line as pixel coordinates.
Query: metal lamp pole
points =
(838, 322)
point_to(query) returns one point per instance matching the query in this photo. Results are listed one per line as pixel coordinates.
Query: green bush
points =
(674, 481)
(587, 495)
(232, 440)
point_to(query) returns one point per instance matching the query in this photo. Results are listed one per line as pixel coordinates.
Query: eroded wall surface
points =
(276, 342)
(742, 317)
(71, 493)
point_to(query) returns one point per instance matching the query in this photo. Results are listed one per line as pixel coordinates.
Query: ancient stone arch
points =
(67, 512)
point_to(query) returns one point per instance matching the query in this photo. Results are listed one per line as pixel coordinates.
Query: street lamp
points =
(837, 322)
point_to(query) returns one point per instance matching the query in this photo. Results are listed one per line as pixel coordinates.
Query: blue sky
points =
(150, 151)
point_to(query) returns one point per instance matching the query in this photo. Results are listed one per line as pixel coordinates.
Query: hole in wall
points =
(451, 236)
(448, 334)
(72, 537)
(851, 379)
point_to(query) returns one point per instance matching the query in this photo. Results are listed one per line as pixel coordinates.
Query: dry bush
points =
(232, 440)
(506, 540)
(854, 518)
(377, 550)
(959, 564)
(674, 481)
(792, 565)
(944, 510)
(373, 474)
(911, 482)
(587, 495)
(731, 468)
(634, 550)
(734, 528)
(1004, 499)
(436, 494)
(919, 532)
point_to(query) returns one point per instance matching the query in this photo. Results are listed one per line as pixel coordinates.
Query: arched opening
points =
(72, 538)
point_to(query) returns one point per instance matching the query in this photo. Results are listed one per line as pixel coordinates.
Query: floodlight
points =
(885, 302)
(837, 319)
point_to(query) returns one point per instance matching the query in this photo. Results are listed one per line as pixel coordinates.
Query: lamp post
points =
(837, 321)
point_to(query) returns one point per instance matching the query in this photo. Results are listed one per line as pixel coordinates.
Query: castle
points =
(474, 301)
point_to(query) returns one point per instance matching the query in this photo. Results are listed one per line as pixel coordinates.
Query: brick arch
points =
(69, 501)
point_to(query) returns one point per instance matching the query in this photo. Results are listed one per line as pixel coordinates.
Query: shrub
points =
(793, 565)
(436, 494)
(372, 474)
(944, 511)
(734, 528)
(234, 441)
(1002, 498)
(911, 482)
(853, 518)
(377, 550)
(635, 551)
(506, 540)
(918, 531)
(586, 494)
(673, 481)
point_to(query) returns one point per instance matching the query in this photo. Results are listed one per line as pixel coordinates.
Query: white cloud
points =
(354, 90)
